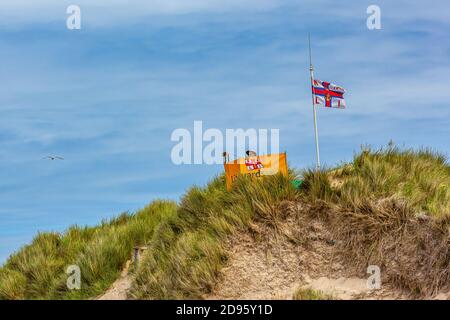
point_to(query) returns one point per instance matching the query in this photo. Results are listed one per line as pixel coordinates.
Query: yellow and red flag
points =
(256, 166)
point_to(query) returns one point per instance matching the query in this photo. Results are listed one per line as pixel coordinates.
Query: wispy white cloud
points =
(17, 13)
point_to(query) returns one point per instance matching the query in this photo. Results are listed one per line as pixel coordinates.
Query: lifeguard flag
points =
(328, 95)
(257, 166)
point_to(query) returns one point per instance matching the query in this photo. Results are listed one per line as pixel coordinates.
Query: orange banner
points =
(258, 166)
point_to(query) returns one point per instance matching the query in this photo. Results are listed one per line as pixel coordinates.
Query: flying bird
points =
(53, 158)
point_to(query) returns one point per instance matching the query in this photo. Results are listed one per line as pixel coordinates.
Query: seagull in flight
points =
(53, 158)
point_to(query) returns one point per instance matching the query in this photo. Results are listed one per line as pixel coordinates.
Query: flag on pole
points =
(328, 95)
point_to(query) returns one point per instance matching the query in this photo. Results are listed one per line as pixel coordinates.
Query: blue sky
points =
(107, 97)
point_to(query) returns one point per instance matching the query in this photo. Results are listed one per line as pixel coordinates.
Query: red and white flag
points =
(328, 95)
(253, 164)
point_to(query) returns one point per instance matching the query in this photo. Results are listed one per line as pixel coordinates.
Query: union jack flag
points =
(328, 95)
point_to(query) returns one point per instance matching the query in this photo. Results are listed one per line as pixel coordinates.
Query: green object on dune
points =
(297, 183)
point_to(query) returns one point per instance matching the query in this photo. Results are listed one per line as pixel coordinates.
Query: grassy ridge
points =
(186, 252)
(184, 242)
(37, 271)
(311, 294)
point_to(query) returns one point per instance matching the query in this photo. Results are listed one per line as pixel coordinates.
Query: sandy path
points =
(120, 288)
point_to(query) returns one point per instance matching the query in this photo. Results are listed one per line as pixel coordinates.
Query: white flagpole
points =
(311, 70)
